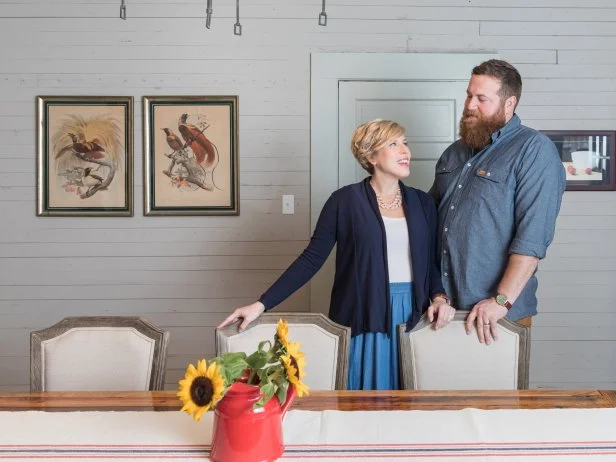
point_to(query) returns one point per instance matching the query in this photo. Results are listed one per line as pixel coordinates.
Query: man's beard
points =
(476, 132)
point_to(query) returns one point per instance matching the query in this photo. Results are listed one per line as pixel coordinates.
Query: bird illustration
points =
(173, 140)
(89, 149)
(176, 144)
(90, 179)
(204, 149)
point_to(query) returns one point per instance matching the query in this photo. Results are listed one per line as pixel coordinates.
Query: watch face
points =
(501, 299)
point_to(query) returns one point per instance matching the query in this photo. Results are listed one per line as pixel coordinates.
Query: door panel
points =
(429, 110)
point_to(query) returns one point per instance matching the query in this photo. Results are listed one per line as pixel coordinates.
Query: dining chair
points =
(449, 359)
(102, 353)
(324, 343)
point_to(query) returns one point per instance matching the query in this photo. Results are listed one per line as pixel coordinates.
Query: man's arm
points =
(487, 312)
(540, 183)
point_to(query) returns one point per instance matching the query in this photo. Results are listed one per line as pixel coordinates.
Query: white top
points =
(398, 250)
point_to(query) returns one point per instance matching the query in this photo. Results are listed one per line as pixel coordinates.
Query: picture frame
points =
(190, 148)
(84, 156)
(588, 156)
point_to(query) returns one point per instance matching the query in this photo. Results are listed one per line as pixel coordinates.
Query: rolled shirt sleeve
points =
(540, 179)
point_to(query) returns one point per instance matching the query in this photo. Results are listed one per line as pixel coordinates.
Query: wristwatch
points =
(502, 300)
(441, 295)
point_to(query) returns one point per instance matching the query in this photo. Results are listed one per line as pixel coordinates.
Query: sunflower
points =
(294, 365)
(282, 334)
(201, 388)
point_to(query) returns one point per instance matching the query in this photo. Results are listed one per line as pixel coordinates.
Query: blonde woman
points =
(386, 262)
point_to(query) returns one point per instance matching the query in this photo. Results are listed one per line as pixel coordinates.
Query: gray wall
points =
(185, 273)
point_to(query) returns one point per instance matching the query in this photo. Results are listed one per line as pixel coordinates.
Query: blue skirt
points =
(373, 356)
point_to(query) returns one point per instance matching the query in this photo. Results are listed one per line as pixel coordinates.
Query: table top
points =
(470, 426)
(323, 400)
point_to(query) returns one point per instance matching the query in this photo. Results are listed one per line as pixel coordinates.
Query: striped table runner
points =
(468, 435)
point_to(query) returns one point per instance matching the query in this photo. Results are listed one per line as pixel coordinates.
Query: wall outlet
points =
(288, 204)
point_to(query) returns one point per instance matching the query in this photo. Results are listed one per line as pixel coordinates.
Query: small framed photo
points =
(190, 155)
(84, 156)
(589, 158)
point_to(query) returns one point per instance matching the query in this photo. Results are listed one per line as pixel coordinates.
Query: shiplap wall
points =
(186, 273)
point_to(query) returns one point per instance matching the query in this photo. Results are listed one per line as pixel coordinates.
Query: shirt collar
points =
(513, 123)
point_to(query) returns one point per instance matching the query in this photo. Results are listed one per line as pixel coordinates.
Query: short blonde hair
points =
(369, 137)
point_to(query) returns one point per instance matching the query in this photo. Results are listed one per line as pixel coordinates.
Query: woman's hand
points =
(248, 313)
(442, 311)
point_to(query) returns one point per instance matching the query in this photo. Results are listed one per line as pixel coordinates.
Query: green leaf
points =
(257, 360)
(262, 345)
(282, 392)
(233, 356)
(267, 391)
(233, 367)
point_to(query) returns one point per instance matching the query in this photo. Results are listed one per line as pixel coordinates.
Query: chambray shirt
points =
(499, 201)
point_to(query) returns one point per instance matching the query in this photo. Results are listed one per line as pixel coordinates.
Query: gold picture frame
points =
(190, 155)
(84, 156)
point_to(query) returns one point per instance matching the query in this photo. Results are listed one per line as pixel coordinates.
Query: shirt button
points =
(446, 229)
(468, 165)
(452, 207)
(445, 274)
(459, 186)
(444, 251)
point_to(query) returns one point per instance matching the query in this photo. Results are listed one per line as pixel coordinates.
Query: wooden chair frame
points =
(406, 356)
(319, 319)
(160, 337)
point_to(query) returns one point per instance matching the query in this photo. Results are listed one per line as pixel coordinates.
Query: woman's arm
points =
(300, 271)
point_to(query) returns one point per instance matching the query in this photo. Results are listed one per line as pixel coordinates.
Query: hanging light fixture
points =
(237, 27)
(208, 12)
(123, 10)
(323, 16)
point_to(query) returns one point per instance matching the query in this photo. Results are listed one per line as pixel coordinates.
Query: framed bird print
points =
(191, 155)
(84, 156)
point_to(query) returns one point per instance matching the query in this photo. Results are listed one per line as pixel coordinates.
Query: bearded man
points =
(498, 190)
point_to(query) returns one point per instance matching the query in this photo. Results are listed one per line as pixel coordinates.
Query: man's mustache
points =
(467, 113)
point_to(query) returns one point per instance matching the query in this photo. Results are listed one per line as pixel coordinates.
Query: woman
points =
(386, 270)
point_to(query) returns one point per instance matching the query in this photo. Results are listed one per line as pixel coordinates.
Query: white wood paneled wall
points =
(186, 273)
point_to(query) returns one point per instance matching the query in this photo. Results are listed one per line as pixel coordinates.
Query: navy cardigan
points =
(360, 294)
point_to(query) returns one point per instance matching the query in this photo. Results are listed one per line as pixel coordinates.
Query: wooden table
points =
(324, 400)
(546, 425)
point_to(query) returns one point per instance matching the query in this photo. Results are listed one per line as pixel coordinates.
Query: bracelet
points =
(441, 295)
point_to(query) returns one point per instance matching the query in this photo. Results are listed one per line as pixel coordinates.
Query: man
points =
(498, 191)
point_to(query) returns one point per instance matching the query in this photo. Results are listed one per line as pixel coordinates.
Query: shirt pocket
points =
(446, 176)
(490, 186)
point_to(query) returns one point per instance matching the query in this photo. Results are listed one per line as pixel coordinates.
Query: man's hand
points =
(486, 313)
(442, 311)
(248, 313)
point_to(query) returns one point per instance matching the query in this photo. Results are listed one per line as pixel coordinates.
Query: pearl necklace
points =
(395, 203)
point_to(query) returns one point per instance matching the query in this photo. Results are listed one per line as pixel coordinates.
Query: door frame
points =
(327, 70)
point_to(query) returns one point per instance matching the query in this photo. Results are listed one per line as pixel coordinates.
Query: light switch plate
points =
(288, 204)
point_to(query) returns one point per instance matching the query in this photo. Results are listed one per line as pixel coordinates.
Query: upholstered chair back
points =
(98, 353)
(449, 359)
(324, 343)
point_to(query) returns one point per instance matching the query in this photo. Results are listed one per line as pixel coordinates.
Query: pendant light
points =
(123, 10)
(323, 16)
(208, 12)
(237, 27)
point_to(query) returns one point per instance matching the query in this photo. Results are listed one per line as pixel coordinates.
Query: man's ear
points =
(510, 104)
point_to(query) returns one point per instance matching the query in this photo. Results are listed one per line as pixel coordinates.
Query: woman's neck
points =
(384, 186)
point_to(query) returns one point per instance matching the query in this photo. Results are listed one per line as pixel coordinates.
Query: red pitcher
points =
(244, 434)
